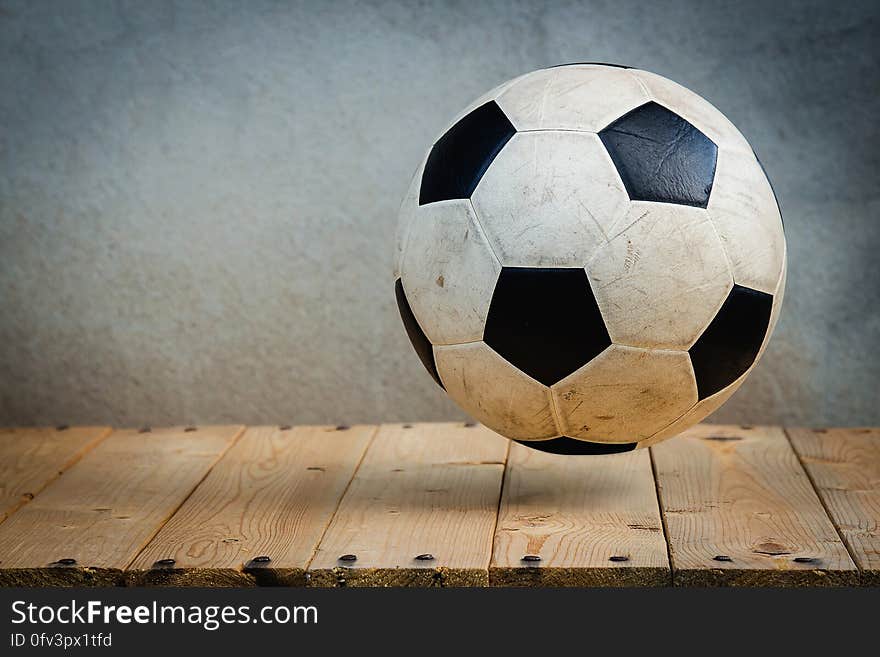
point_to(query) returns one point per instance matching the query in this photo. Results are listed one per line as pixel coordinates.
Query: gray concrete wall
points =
(197, 201)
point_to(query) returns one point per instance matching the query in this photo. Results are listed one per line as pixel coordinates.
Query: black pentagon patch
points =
(730, 344)
(460, 157)
(661, 157)
(545, 321)
(418, 338)
(566, 445)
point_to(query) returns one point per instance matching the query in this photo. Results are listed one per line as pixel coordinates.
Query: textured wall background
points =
(197, 201)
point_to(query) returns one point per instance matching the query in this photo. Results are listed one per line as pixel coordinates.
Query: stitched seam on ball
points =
(583, 132)
(456, 344)
(641, 84)
(485, 235)
(729, 273)
(554, 411)
(399, 264)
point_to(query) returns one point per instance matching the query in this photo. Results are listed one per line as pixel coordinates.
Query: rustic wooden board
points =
(740, 510)
(107, 507)
(844, 465)
(593, 521)
(739, 506)
(271, 495)
(421, 490)
(31, 458)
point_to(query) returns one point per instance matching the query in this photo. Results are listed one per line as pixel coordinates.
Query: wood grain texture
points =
(844, 465)
(740, 510)
(426, 489)
(31, 458)
(593, 521)
(739, 505)
(107, 507)
(271, 495)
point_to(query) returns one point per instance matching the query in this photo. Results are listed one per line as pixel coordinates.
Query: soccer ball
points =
(590, 259)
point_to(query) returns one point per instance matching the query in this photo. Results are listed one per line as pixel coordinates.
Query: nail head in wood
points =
(163, 563)
(721, 557)
(618, 558)
(805, 560)
(144, 430)
(188, 429)
(62, 427)
(531, 557)
(470, 424)
(342, 427)
(425, 557)
(348, 557)
(284, 427)
(66, 562)
(261, 559)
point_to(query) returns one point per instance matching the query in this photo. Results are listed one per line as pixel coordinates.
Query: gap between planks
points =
(579, 521)
(844, 468)
(85, 528)
(741, 511)
(32, 458)
(838, 567)
(420, 510)
(259, 514)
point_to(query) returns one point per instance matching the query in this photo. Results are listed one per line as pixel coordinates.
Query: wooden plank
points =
(272, 495)
(592, 521)
(740, 510)
(31, 458)
(428, 490)
(844, 465)
(106, 508)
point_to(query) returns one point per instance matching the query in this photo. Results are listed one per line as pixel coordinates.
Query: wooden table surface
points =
(435, 505)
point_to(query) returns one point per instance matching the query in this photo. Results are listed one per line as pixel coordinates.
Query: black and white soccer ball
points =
(590, 259)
